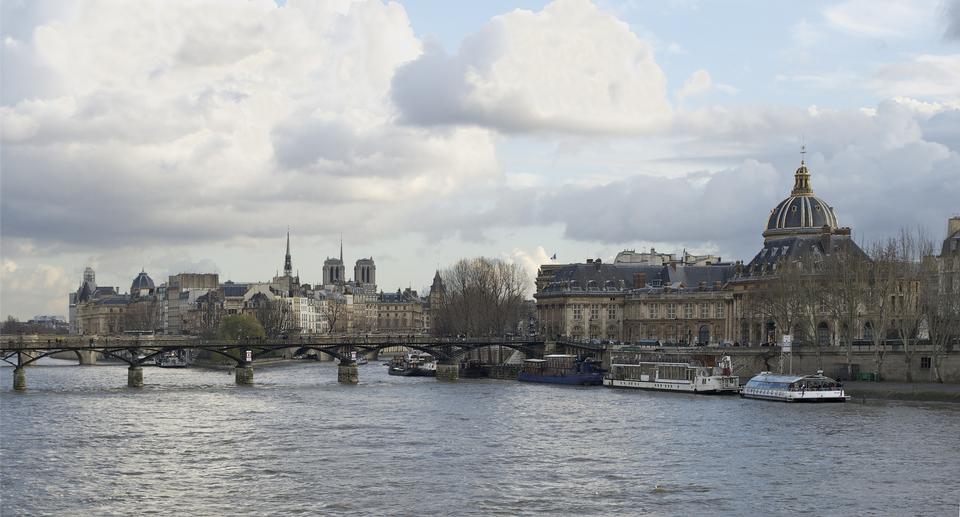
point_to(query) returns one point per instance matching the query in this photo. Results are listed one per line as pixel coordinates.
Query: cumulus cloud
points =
(568, 68)
(172, 122)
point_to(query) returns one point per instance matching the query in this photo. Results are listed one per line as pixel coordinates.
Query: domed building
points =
(800, 225)
(142, 285)
(801, 229)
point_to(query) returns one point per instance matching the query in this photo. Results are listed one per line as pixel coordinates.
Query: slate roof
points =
(620, 277)
(797, 212)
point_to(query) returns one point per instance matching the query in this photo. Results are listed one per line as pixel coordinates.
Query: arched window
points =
(703, 337)
(823, 334)
(868, 331)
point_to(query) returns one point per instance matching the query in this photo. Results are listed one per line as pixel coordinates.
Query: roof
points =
(797, 248)
(235, 290)
(142, 281)
(770, 377)
(802, 212)
(597, 276)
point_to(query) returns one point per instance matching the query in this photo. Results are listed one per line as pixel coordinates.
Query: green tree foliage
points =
(240, 326)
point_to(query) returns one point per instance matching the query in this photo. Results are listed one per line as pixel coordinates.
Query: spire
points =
(287, 264)
(801, 178)
(341, 248)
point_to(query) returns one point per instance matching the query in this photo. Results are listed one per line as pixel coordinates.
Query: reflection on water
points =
(191, 442)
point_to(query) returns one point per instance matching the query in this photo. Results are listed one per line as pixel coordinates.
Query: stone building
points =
(801, 229)
(629, 301)
(401, 312)
(949, 259)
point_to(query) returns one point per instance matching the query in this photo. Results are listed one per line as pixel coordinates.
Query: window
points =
(704, 311)
(925, 363)
(594, 312)
(577, 312)
(671, 310)
(611, 313)
(654, 311)
(688, 311)
(720, 310)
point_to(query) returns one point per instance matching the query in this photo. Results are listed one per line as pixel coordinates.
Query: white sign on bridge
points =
(787, 343)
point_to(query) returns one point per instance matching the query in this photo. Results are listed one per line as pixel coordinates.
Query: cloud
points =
(42, 287)
(881, 18)
(926, 76)
(568, 68)
(175, 123)
(952, 19)
(700, 83)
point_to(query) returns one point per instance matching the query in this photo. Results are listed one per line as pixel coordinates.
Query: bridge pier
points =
(347, 372)
(135, 377)
(243, 374)
(448, 371)
(19, 379)
(87, 357)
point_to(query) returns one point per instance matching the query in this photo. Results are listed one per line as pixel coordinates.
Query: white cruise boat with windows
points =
(794, 388)
(674, 376)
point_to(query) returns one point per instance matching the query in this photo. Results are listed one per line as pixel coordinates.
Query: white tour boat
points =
(794, 388)
(675, 376)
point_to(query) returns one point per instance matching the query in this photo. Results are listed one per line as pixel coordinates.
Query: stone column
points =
(19, 379)
(347, 373)
(135, 377)
(243, 374)
(448, 371)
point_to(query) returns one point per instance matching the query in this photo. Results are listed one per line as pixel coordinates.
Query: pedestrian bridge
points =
(23, 350)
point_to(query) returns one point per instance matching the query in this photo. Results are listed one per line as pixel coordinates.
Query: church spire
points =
(287, 263)
(341, 248)
(801, 178)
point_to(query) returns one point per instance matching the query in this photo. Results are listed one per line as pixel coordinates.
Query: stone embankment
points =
(928, 392)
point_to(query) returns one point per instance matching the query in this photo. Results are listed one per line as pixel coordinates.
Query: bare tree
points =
(781, 298)
(143, 315)
(276, 317)
(940, 304)
(878, 296)
(910, 250)
(336, 313)
(845, 277)
(482, 297)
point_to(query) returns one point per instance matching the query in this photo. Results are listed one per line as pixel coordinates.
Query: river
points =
(190, 442)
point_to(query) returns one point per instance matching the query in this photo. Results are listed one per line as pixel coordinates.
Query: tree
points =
(144, 315)
(845, 276)
(239, 327)
(781, 298)
(910, 250)
(276, 316)
(881, 280)
(336, 312)
(940, 304)
(482, 297)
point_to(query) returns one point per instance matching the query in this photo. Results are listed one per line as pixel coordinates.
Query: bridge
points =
(20, 351)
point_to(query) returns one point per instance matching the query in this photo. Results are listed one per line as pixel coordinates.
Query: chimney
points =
(589, 261)
(953, 225)
(702, 286)
(639, 280)
(825, 237)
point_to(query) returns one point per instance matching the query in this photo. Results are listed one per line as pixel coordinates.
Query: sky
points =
(180, 136)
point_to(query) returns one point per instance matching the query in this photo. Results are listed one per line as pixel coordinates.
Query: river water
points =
(190, 442)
